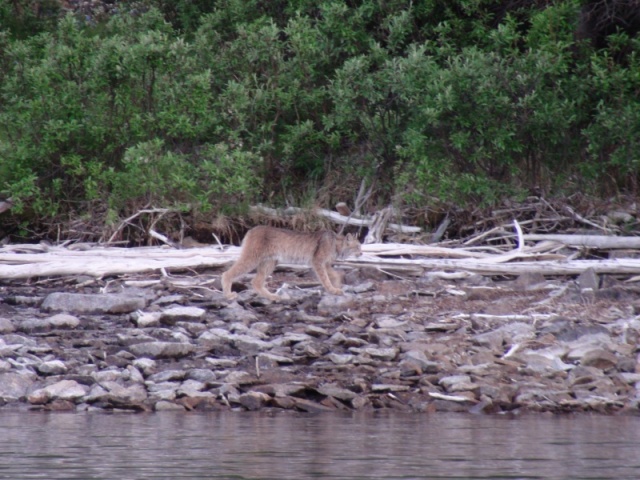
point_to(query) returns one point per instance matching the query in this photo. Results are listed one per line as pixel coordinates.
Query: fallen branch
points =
(334, 217)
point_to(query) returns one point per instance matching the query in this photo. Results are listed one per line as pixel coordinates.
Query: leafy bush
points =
(212, 106)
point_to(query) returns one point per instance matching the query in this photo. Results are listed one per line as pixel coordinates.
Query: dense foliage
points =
(210, 106)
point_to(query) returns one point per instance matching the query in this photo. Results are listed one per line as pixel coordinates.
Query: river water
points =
(244, 445)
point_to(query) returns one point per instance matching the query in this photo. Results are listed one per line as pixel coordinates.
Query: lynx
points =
(263, 247)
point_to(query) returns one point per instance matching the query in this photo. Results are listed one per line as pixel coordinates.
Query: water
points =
(286, 446)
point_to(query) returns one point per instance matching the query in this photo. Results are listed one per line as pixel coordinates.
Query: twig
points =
(127, 221)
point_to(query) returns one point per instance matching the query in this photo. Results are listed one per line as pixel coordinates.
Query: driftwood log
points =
(28, 261)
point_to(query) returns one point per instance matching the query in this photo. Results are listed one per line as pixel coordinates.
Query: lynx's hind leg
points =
(265, 269)
(242, 266)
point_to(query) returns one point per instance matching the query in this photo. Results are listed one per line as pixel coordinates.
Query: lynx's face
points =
(350, 246)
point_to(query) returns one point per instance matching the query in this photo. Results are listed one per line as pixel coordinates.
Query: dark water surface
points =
(285, 446)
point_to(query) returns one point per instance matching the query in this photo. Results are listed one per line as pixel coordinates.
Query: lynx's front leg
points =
(334, 276)
(322, 270)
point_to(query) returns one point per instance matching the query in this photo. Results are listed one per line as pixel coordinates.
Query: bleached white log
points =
(590, 241)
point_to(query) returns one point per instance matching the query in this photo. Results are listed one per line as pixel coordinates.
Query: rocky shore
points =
(430, 344)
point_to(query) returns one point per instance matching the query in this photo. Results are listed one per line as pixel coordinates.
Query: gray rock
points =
(146, 365)
(507, 334)
(387, 322)
(340, 359)
(221, 363)
(599, 358)
(530, 281)
(166, 406)
(588, 280)
(62, 390)
(146, 319)
(63, 320)
(6, 325)
(14, 339)
(159, 350)
(133, 394)
(110, 375)
(249, 344)
(333, 304)
(239, 377)
(216, 336)
(253, 400)
(182, 314)
(167, 376)
(201, 375)
(384, 354)
(14, 386)
(273, 359)
(192, 388)
(235, 313)
(420, 359)
(388, 387)
(163, 390)
(456, 383)
(91, 303)
(332, 390)
(53, 367)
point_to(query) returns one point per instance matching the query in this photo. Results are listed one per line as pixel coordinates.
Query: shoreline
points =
(408, 345)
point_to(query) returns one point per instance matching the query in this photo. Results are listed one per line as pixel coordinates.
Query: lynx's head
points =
(348, 246)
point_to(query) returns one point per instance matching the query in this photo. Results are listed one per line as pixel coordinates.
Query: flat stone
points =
(167, 376)
(92, 303)
(237, 314)
(239, 378)
(311, 407)
(159, 350)
(450, 382)
(182, 314)
(216, 336)
(274, 359)
(332, 390)
(385, 354)
(166, 406)
(340, 359)
(389, 323)
(221, 362)
(599, 358)
(249, 344)
(388, 387)
(147, 319)
(133, 394)
(201, 375)
(63, 320)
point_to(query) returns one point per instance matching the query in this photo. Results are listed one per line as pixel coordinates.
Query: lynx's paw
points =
(231, 295)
